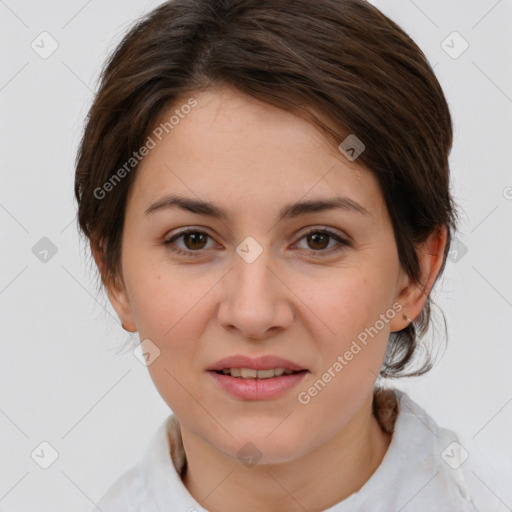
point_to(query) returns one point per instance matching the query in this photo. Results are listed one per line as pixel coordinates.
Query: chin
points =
(255, 446)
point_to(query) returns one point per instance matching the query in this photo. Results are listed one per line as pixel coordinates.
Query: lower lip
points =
(257, 389)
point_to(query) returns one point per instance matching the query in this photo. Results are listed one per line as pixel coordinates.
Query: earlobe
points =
(115, 290)
(413, 296)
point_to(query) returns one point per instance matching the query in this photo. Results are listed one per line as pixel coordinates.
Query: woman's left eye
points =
(195, 241)
(319, 239)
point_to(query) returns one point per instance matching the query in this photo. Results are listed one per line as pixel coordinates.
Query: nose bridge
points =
(251, 274)
(251, 301)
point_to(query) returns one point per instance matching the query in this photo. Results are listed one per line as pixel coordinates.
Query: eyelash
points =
(343, 243)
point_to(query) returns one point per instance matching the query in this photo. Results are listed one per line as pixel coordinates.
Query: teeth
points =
(249, 373)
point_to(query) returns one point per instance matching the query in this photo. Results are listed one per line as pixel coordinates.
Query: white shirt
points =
(420, 472)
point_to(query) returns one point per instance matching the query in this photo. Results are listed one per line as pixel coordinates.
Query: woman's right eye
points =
(192, 239)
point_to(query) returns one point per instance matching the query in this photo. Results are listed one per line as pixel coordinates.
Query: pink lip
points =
(257, 363)
(257, 389)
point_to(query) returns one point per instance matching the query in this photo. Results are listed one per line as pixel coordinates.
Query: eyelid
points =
(343, 241)
(169, 238)
(325, 229)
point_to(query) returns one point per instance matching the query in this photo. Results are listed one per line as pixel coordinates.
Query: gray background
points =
(62, 379)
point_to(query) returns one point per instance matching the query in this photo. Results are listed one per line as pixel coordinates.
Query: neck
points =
(316, 481)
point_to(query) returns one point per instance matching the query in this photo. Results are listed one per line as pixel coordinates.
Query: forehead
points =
(241, 151)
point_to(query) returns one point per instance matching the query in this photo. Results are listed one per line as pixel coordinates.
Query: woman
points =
(265, 189)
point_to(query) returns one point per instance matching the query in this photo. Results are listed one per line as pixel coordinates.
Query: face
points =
(304, 284)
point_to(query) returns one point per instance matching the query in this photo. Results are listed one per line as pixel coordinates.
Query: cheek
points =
(352, 348)
(352, 315)
(163, 298)
(346, 305)
(171, 308)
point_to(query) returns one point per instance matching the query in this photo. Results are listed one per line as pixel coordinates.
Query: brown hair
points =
(343, 59)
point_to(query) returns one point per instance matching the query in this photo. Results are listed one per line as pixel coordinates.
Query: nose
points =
(256, 302)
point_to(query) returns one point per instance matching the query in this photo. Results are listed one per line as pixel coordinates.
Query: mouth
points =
(251, 373)
(256, 378)
(257, 384)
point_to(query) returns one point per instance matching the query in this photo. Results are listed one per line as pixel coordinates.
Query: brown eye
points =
(193, 241)
(318, 240)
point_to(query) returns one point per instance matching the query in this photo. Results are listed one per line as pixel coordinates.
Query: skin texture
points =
(299, 299)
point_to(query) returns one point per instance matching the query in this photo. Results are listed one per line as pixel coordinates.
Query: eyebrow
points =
(289, 211)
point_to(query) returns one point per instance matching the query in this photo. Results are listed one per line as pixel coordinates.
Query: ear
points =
(413, 296)
(116, 290)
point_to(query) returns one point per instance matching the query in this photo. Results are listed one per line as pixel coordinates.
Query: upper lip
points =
(266, 362)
